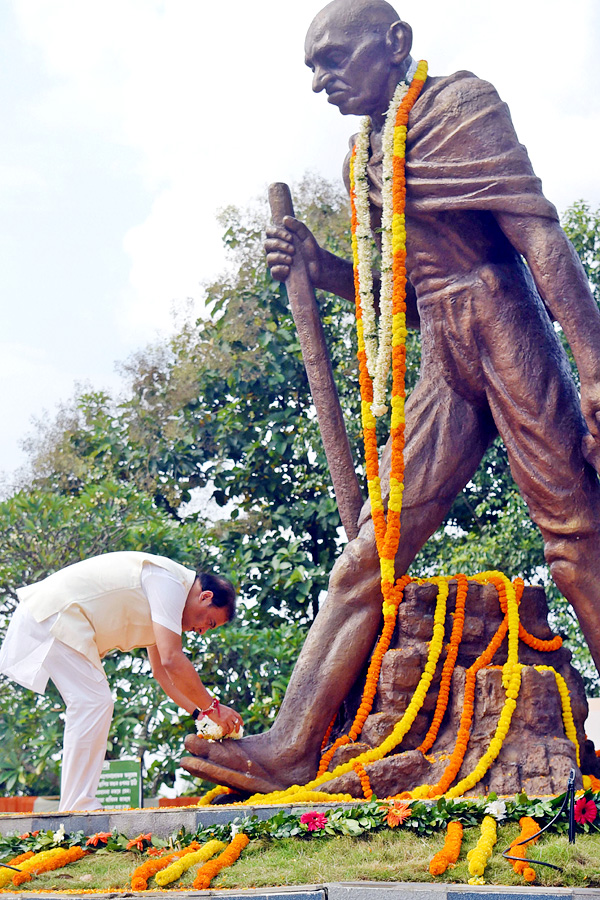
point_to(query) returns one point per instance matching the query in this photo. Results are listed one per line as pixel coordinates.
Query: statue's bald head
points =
(353, 14)
(358, 50)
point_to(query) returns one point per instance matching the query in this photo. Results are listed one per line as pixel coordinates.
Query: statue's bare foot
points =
(251, 764)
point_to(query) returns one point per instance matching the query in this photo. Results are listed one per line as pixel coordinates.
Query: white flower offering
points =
(212, 732)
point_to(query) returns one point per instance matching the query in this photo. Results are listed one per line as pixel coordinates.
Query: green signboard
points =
(121, 784)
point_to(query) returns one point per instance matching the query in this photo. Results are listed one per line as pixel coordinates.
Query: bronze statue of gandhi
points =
(489, 269)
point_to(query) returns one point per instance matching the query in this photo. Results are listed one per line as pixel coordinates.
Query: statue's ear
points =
(399, 40)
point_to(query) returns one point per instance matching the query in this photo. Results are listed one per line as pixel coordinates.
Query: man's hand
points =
(227, 718)
(279, 247)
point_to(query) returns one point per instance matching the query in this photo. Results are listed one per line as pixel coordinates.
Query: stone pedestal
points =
(536, 755)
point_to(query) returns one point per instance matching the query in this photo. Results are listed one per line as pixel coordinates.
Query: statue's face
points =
(353, 67)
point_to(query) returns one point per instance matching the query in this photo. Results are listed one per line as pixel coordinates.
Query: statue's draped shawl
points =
(463, 153)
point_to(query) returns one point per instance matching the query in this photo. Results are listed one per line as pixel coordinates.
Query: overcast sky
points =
(126, 125)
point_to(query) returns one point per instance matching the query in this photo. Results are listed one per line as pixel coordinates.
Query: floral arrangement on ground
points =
(490, 840)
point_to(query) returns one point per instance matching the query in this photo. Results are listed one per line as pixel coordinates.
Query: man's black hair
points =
(222, 590)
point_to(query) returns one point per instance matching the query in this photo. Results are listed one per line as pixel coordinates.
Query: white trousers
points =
(89, 709)
(30, 655)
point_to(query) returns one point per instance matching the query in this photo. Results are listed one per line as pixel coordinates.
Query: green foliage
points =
(582, 226)
(219, 413)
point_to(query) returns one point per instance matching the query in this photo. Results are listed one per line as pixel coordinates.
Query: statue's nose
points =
(320, 79)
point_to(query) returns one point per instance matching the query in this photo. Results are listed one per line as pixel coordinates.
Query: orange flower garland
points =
(464, 728)
(529, 830)
(207, 872)
(328, 732)
(450, 852)
(6, 874)
(143, 873)
(47, 861)
(370, 689)
(364, 780)
(462, 586)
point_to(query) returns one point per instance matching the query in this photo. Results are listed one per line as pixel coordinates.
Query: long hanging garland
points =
(374, 355)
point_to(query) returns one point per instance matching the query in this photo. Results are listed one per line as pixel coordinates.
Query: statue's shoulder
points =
(459, 89)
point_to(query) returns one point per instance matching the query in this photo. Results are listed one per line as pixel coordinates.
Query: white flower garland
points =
(378, 344)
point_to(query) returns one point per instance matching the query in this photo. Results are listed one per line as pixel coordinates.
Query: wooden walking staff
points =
(320, 374)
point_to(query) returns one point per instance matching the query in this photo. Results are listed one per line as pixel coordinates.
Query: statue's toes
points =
(251, 779)
(197, 745)
(230, 763)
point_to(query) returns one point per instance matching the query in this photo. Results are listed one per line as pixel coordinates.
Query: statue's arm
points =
(563, 286)
(327, 271)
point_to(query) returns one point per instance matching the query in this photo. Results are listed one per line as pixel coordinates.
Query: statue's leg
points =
(445, 439)
(539, 418)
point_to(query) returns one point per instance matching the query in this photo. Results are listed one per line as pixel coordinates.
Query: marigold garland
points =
(176, 869)
(450, 852)
(46, 861)
(6, 874)
(207, 872)
(390, 612)
(478, 857)
(462, 587)
(218, 791)
(143, 873)
(364, 780)
(327, 734)
(510, 624)
(387, 529)
(528, 836)
(567, 712)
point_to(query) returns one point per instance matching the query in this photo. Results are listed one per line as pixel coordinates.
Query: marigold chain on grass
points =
(478, 857)
(176, 869)
(450, 852)
(230, 854)
(139, 879)
(46, 861)
(518, 847)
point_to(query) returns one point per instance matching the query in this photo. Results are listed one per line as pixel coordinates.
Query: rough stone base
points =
(536, 757)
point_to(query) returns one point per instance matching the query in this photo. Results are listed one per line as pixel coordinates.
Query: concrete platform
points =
(358, 890)
(161, 822)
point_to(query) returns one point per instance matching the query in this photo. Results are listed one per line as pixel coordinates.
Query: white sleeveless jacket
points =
(99, 603)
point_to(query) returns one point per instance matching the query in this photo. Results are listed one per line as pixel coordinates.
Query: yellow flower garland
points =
(400, 729)
(479, 856)
(567, 712)
(510, 704)
(217, 791)
(176, 869)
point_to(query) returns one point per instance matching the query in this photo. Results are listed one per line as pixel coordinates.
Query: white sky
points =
(126, 124)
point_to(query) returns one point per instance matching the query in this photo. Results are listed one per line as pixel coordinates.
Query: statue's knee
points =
(564, 573)
(356, 574)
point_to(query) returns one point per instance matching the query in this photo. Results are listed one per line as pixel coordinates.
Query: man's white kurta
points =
(63, 627)
(94, 606)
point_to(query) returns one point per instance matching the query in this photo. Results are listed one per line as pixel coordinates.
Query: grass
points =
(385, 856)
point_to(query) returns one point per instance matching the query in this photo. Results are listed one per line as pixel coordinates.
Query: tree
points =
(223, 405)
